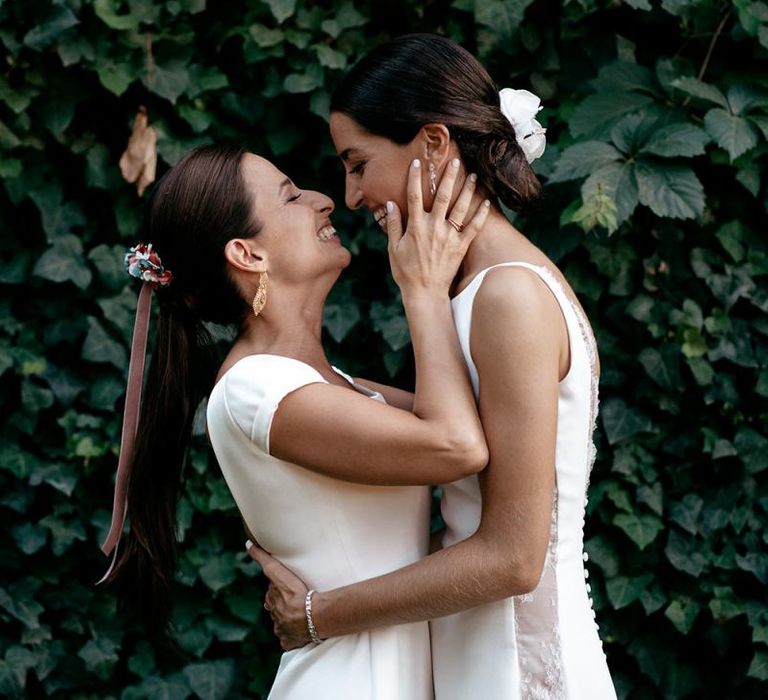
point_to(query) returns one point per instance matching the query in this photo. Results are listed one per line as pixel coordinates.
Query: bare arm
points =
(517, 340)
(345, 435)
(400, 398)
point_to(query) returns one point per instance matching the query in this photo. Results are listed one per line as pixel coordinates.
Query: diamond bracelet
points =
(313, 635)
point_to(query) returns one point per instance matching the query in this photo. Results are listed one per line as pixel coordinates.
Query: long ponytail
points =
(198, 206)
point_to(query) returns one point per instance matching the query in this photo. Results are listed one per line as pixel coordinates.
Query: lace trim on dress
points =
(590, 343)
(546, 682)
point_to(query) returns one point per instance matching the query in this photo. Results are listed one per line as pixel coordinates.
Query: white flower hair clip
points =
(520, 107)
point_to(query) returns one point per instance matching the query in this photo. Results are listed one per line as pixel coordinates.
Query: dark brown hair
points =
(419, 79)
(198, 206)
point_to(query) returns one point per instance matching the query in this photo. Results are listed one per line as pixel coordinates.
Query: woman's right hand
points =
(427, 256)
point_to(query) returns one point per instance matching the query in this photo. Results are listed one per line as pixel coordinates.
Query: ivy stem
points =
(712, 43)
(150, 62)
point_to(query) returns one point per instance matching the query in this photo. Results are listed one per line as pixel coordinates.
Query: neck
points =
(290, 324)
(498, 240)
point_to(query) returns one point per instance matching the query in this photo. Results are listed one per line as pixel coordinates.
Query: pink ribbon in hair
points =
(130, 423)
(143, 263)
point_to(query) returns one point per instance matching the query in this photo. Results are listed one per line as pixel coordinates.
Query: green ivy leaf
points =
(758, 667)
(218, 571)
(725, 606)
(64, 533)
(106, 11)
(623, 590)
(616, 180)
(63, 262)
(281, 9)
(245, 606)
(583, 159)
(701, 90)
(30, 537)
(604, 554)
(21, 607)
(683, 553)
(170, 80)
(671, 191)
(686, 513)
(116, 77)
(735, 134)
(304, 82)
(175, 687)
(677, 140)
(211, 680)
(346, 17)
(10, 685)
(601, 111)
(265, 37)
(19, 99)
(60, 220)
(330, 58)
(100, 347)
(682, 614)
(49, 30)
(662, 365)
(641, 529)
(100, 656)
(340, 319)
(622, 422)
(752, 448)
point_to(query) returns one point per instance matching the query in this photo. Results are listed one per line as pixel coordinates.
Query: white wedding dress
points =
(330, 532)
(542, 645)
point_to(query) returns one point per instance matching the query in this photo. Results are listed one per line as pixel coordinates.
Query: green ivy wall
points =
(655, 207)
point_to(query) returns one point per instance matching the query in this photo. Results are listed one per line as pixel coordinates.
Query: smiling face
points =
(376, 167)
(297, 238)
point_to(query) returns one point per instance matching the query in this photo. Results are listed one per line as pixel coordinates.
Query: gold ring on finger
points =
(459, 227)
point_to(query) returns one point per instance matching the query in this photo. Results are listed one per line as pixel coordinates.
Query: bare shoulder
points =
(518, 326)
(518, 296)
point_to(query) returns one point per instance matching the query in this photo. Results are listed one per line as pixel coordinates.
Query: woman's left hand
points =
(284, 600)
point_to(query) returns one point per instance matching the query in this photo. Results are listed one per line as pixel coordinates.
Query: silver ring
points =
(459, 227)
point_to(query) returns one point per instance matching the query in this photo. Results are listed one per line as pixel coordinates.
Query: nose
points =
(323, 203)
(353, 197)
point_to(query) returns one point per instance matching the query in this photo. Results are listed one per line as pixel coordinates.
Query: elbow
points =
(515, 573)
(526, 576)
(468, 455)
(525, 580)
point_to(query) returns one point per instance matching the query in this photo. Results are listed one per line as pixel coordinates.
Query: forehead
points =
(348, 134)
(259, 172)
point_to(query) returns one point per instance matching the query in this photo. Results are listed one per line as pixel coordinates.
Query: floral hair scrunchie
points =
(144, 263)
(520, 107)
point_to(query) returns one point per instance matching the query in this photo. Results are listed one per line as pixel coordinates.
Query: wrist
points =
(309, 616)
(425, 299)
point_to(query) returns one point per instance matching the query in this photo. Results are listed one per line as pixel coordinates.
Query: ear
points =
(243, 254)
(436, 142)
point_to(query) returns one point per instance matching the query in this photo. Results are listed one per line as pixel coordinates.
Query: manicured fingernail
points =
(416, 163)
(455, 163)
(390, 207)
(473, 178)
(248, 545)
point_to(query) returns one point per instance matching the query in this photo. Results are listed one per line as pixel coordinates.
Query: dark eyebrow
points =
(344, 155)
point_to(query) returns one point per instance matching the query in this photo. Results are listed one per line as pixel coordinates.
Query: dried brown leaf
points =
(139, 161)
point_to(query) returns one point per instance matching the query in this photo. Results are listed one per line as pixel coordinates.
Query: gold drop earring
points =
(261, 294)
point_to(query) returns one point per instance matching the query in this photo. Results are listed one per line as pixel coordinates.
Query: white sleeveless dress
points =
(330, 532)
(544, 644)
